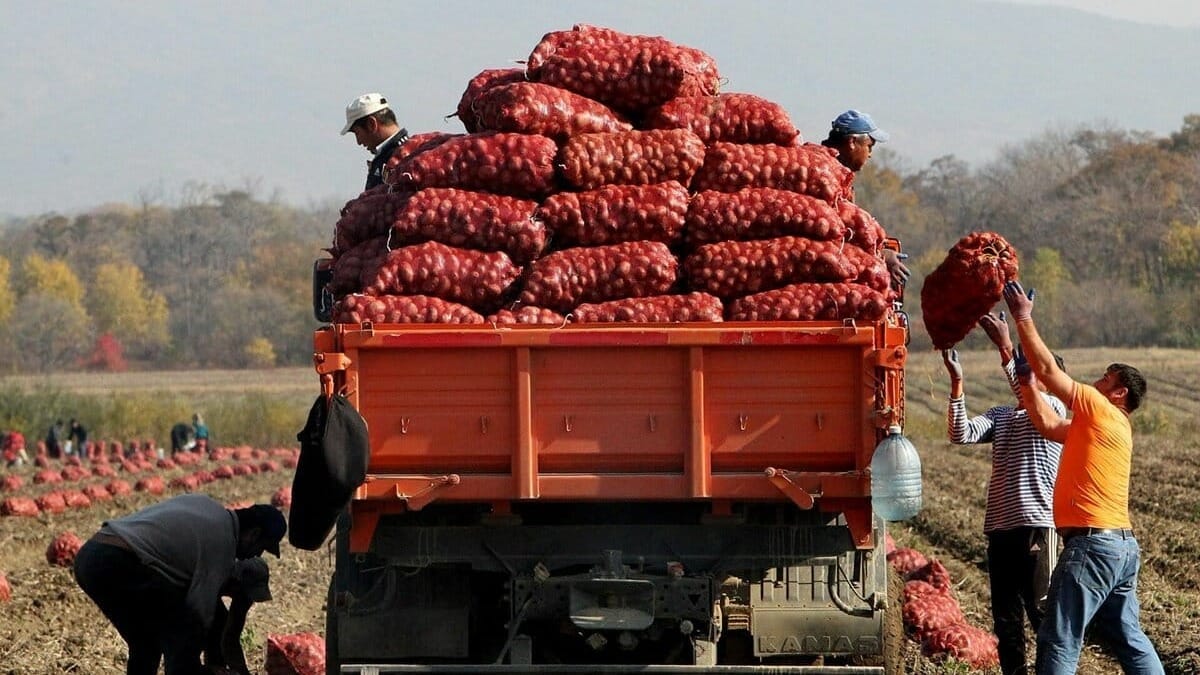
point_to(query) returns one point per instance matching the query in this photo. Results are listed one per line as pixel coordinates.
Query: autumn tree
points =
(1124, 202)
(121, 304)
(50, 333)
(880, 189)
(8, 298)
(1181, 253)
(1186, 141)
(248, 319)
(50, 278)
(1045, 272)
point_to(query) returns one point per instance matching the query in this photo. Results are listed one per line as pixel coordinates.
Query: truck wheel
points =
(333, 664)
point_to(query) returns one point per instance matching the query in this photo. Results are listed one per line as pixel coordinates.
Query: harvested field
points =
(51, 627)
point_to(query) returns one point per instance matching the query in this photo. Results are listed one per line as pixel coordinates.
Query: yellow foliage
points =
(259, 353)
(52, 278)
(1046, 271)
(1181, 250)
(8, 299)
(121, 304)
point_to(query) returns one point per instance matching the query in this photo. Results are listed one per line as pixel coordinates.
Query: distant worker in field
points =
(1022, 545)
(181, 434)
(374, 125)
(158, 575)
(77, 435)
(854, 135)
(200, 433)
(1098, 571)
(55, 437)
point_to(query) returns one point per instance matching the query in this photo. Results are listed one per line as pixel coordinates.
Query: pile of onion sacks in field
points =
(608, 180)
(932, 615)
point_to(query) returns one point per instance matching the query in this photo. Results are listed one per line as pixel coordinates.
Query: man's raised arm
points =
(1041, 360)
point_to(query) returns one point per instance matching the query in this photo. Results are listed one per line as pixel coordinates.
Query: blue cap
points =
(855, 122)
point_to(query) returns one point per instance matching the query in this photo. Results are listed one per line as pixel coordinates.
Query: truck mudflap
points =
(607, 669)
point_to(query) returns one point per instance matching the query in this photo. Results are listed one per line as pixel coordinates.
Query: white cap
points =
(367, 104)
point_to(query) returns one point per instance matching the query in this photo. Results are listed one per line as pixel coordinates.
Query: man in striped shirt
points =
(1019, 522)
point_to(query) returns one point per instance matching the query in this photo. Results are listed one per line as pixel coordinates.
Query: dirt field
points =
(50, 627)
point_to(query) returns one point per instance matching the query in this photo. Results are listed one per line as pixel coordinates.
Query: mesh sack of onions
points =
(731, 269)
(808, 169)
(536, 108)
(733, 118)
(562, 280)
(656, 309)
(760, 213)
(630, 73)
(965, 286)
(616, 213)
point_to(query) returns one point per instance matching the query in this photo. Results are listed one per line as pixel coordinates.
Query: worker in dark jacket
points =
(158, 574)
(55, 437)
(374, 125)
(77, 434)
(181, 433)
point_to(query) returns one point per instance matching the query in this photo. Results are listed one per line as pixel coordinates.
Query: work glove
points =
(1021, 367)
(950, 358)
(996, 328)
(1019, 302)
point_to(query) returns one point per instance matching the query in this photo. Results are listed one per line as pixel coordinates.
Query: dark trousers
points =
(1019, 563)
(144, 607)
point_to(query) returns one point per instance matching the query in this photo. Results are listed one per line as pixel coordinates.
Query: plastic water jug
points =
(895, 477)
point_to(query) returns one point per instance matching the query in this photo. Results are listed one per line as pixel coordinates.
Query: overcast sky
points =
(1178, 13)
(119, 101)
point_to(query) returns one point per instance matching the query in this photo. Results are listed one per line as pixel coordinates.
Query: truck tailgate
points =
(728, 411)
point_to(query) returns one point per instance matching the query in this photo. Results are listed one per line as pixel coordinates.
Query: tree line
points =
(221, 279)
(1106, 223)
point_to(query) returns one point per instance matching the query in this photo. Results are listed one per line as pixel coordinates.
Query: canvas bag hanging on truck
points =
(332, 464)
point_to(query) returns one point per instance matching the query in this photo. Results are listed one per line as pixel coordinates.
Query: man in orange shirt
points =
(1096, 577)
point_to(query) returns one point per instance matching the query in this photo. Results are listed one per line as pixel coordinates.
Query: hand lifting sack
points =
(333, 463)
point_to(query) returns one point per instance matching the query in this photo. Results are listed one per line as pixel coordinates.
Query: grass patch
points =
(258, 418)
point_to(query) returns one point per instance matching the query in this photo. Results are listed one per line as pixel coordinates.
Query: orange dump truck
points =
(614, 498)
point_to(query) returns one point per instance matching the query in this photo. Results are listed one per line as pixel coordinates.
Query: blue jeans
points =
(1096, 578)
